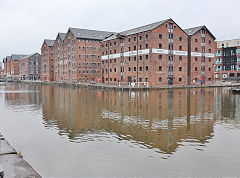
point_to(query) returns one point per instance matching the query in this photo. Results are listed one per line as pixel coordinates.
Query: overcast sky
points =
(24, 24)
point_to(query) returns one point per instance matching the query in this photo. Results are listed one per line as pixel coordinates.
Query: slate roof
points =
(28, 56)
(17, 56)
(138, 29)
(90, 34)
(192, 31)
(62, 35)
(50, 43)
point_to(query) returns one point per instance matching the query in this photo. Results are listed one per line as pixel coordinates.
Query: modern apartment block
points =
(157, 54)
(201, 55)
(30, 67)
(82, 55)
(228, 60)
(47, 62)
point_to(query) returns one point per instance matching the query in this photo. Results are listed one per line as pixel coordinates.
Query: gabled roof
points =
(17, 56)
(138, 29)
(194, 30)
(62, 35)
(89, 34)
(27, 56)
(50, 43)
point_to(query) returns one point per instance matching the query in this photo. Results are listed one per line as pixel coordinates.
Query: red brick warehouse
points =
(157, 54)
(47, 55)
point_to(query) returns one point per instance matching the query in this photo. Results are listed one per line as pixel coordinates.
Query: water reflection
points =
(159, 120)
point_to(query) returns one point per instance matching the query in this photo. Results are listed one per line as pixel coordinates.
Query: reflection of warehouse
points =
(20, 95)
(142, 117)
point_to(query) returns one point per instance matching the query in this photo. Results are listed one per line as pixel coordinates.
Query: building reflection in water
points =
(154, 119)
(160, 120)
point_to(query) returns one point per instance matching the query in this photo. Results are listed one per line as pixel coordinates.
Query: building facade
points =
(228, 60)
(13, 66)
(47, 62)
(82, 55)
(153, 55)
(201, 55)
(59, 59)
(30, 67)
(159, 54)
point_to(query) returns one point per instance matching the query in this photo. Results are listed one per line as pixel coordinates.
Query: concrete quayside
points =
(12, 164)
(128, 86)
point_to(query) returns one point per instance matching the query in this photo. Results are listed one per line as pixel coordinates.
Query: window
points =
(195, 68)
(195, 58)
(135, 48)
(160, 56)
(135, 69)
(147, 46)
(180, 79)
(115, 60)
(180, 69)
(129, 48)
(115, 51)
(146, 79)
(115, 70)
(129, 59)
(209, 79)
(146, 56)
(180, 48)
(140, 68)
(110, 70)
(209, 69)
(209, 50)
(196, 40)
(146, 68)
(134, 38)
(196, 49)
(135, 58)
(129, 69)
(140, 79)
(140, 37)
(180, 58)
(160, 79)
(209, 59)
(160, 68)
(209, 42)
(115, 43)
(146, 36)
(140, 46)
(129, 39)
(160, 36)
(160, 46)
(140, 57)
(180, 38)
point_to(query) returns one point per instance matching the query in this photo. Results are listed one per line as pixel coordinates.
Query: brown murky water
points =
(87, 132)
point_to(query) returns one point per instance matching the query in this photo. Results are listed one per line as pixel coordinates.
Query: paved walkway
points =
(12, 164)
